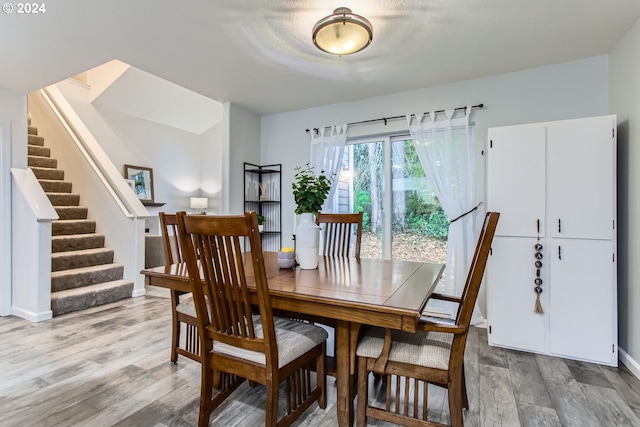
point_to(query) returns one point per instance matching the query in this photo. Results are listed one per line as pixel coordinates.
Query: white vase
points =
(307, 241)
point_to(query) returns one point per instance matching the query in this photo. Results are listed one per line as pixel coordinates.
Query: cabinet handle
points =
(559, 226)
(559, 252)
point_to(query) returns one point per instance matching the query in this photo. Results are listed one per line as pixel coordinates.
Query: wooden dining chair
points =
(338, 230)
(432, 355)
(238, 333)
(182, 308)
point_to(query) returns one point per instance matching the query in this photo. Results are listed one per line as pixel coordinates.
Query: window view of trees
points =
(419, 226)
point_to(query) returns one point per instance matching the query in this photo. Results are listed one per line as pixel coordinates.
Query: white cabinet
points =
(554, 184)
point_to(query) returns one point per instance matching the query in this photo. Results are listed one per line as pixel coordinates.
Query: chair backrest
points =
(476, 269)
(169, 230)
(338, 230)
(219, 274)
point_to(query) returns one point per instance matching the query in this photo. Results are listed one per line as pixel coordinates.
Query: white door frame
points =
(5, 219)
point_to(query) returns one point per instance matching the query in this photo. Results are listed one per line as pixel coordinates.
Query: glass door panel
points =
(419, 226)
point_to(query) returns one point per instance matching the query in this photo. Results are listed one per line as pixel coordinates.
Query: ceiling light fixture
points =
(342, 33)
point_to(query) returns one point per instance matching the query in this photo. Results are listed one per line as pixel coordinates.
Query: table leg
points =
(345, 379)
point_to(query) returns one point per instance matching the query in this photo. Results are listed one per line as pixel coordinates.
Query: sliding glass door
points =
(403, 219)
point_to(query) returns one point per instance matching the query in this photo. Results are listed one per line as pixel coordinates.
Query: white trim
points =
(629, 362)
(138, 292)
(5, 214)
(30, 315)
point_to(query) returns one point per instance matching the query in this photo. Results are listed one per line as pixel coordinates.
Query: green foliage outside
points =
(424, 214)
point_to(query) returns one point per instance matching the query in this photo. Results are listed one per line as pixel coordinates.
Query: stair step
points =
(35, 140)
(55, 186)
(85, 276)
(35, 150)
(64, 199)
(76, 242)
(81, 258)
(90, 296)
(71, 212)
(42, 162)
(48, 173)
(73, 226)
(32, 130)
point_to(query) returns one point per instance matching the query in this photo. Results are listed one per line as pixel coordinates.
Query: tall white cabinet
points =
(554, 184)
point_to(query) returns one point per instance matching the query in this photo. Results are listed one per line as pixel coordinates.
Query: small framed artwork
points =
(142, 181)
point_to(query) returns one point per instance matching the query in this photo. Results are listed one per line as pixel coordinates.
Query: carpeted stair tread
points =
(55, 186)
(85, 276)
(32, 130)
(64, 199)
(42, 162)
(71, 212)
(35, 140)
(73, 226)
(36, 150)
(75, 242)
(80, 258)
(90, 296)
(47, 173)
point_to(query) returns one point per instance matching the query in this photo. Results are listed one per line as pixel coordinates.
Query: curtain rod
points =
(384, 119)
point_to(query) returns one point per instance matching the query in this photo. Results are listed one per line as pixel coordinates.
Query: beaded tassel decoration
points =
(538, 280)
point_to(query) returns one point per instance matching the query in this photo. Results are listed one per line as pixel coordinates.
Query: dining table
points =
(350, 292)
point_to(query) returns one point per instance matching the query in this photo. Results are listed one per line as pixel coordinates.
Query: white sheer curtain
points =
(327, 150)
(446, 150)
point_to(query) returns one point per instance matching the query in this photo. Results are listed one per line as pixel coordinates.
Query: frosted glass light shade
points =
(342, 33)
(199, 202)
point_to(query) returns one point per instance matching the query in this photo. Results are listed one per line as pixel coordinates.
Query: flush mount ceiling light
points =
(342, 33)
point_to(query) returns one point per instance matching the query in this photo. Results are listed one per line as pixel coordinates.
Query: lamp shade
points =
(342, 33)
(199, 202)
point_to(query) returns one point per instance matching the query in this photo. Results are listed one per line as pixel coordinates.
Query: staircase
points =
(83, 273)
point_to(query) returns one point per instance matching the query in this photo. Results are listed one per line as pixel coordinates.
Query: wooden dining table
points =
(351, 292)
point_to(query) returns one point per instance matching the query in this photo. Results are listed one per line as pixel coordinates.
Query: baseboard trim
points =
(30, 315)
(138, 293)
(629, 362)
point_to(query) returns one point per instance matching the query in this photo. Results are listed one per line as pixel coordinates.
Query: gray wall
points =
(625, 102)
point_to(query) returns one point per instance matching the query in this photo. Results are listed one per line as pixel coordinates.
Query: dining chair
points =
(432, 355)
(239, 335)
(338, 230)
(182, 308)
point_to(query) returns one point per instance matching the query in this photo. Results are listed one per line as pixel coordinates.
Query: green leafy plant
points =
(310, 191)
(261, 219)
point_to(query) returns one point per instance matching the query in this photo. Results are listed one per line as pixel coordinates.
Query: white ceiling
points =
(259, 53)
(143, 95)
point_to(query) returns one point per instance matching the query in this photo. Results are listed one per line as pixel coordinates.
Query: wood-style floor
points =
(109, 366)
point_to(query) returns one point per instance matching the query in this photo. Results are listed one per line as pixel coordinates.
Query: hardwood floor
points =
(109, 366)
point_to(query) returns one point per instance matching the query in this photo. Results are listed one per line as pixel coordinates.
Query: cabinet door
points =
(582, 297)
(581, 190)
(516, 179)
(510, 295)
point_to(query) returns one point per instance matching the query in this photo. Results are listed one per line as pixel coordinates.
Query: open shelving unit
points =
(262, 193)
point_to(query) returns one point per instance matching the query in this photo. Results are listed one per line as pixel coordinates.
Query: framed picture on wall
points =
(142, 178)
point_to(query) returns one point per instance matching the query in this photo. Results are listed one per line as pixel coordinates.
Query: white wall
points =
(625, 102)
(13, 152)
(211, 167)
(564, 91)
(242, 144)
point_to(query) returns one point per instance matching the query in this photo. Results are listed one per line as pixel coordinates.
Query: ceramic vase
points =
(307, 241)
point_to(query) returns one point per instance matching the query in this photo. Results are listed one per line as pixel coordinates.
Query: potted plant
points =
(261, 221)
(310, 192)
